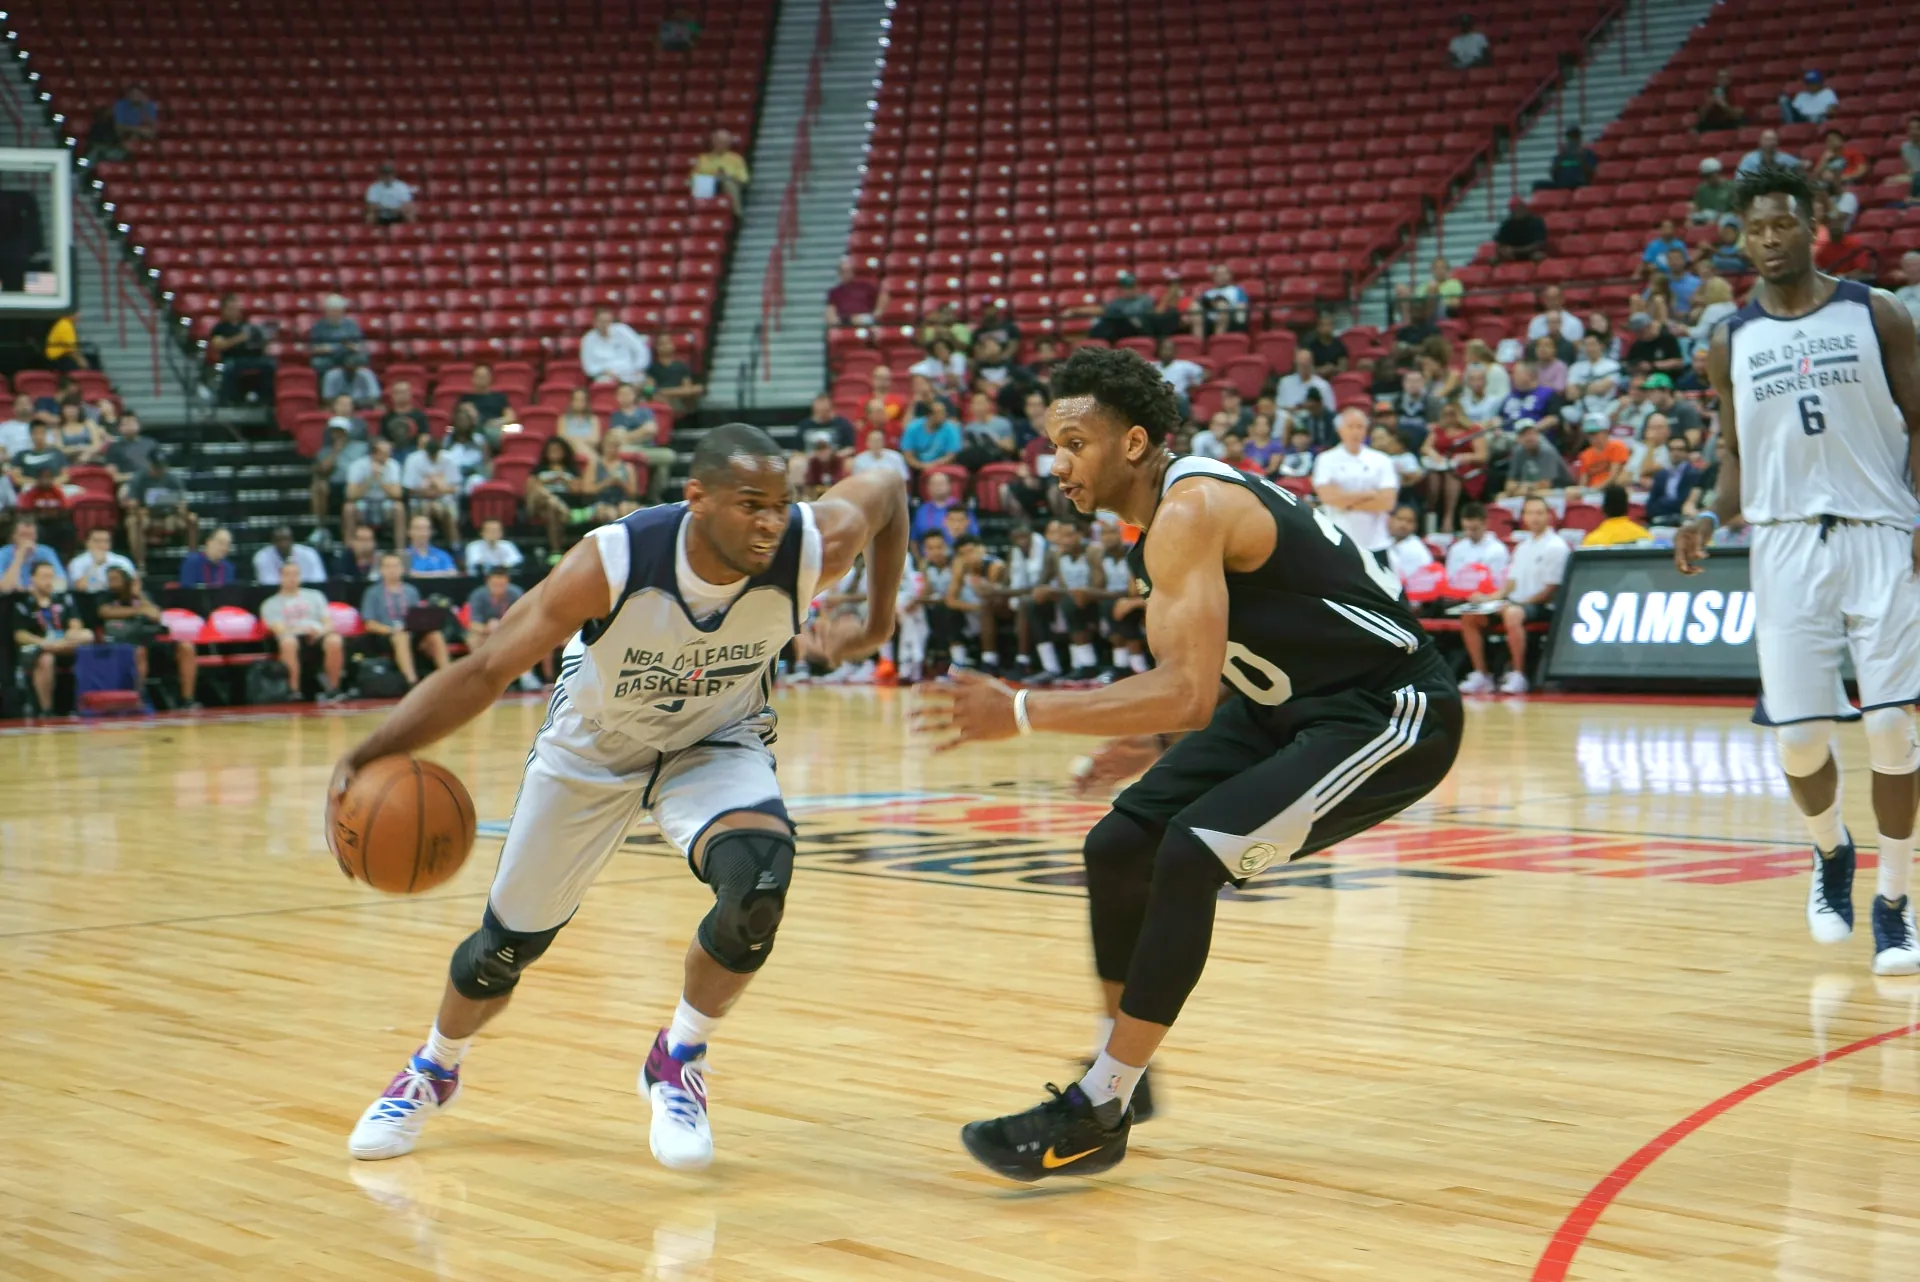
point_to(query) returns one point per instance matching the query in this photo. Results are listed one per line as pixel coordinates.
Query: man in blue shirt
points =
(932, 439)
(1681, 276)
(423, 559)
(135, 118)
(336, 347)
(208, 566)
(1654, 256)
(18, 558)
(931, 513)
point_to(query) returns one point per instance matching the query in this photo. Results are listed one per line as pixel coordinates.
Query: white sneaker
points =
(529, 682)
(1830, 894)
(1896, 946)
(392, 1123)
(863, 675)
(680, 1136)
(1477, 683)
(1515, 682)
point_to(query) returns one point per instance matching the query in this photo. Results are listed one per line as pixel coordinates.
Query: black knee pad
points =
(749, 870)
(1119, 842)
(489, 961)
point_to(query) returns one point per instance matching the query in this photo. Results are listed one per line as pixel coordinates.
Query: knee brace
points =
(489, 961)
(1891, 745)
(1804, 746)
(1119, 853)
(749, 870)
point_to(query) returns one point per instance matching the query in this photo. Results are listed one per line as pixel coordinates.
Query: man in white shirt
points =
(1533, 578)
(432, 478)
(1211, 440)
(389, 200)
(16, 433)
(1293, 389)
(877, 455)
(1469, 48)
(1408, 551)
(491, 549)
(300, 622)
(1767, 153)
(612, 351)
(375, 494)
(1476, 545)
(268, 560)
(1593, 381)
(1356, 483)
(1181, 374)
(1908, 294)
(1816, 102)
(88, 571)
(1554, 318)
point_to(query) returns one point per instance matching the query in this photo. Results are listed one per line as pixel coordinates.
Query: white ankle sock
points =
(1049, 657)
(445, 1051)
(690, 1030)
(1826, 828)
(1896, 866)
(1102, 1030)
(989, 658)
(959, 656)
(1084, 655)
(1137, 661)
(1110, 1079)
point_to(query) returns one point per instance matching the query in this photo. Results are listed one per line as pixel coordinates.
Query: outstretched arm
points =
(865, 512)
(1900, 353)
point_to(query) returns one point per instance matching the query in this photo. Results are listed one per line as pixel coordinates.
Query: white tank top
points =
(1025, 568)
(1076, 572)
(1820, 434)
(652, 674)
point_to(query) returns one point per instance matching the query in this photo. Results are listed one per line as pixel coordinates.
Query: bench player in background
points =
(672, 618)
(1819, 387)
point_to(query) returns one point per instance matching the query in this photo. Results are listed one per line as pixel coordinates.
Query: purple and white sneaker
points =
(392, 1123)
(677, 1089)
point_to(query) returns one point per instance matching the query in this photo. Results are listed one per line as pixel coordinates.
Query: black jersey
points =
(1321, 614)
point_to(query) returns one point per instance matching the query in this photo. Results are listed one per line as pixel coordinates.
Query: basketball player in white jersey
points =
(676, 616)
(1819, 387)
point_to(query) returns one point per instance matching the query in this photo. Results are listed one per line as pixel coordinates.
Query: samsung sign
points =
(1627, 613)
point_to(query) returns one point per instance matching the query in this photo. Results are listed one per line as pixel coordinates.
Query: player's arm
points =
(556, 608)
(1900, 353)
(1690, 541)
(866, 512)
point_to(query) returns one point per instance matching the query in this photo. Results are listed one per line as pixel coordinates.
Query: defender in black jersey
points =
(1315, 705)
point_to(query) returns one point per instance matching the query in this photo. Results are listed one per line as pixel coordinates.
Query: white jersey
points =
(648, 673)
(1076, 572)
(1820, 434)
(1025, 569)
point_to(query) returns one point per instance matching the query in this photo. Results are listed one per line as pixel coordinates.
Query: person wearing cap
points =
(1605, 458)
(389, 200)
(1654, 348)
(1682, 415)
(1534, 466)
(1221, 307)
(1713, 197)
(1522, 234)
(1718, 111)
(1812, 103)
(1130, 313)
(1767, 153)
(336, 348)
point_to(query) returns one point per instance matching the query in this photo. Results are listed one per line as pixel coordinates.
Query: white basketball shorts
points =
(584, 789)
(1820, 592)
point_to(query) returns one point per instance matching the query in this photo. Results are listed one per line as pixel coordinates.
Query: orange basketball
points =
(404, 825)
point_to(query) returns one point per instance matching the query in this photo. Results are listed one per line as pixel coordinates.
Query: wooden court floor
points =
(1562, 1021)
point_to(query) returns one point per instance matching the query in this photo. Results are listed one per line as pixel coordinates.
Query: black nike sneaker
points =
(1064, 1136)
(1142, 1102)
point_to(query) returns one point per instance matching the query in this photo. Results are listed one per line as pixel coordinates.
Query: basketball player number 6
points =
(1812, 421)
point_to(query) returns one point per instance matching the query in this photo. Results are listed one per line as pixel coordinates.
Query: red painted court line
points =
(1572, 1234)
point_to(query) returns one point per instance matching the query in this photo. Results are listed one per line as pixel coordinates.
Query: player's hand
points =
(1115, 761)
(965, 708)
(833, 639)
(343, 772)
(1690, 546)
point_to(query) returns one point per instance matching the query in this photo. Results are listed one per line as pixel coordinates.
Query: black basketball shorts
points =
(1264, 785)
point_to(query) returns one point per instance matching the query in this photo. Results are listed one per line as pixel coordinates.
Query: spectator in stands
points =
(1653, 257)
(1681, 281)
(679, 30)
(432, 479)
(1767, 153)
(1811, 103)
(1718, 111)
(1910, 157)
(1844, 253)
(1572, 166)
(1604, 460)
(1534, 466)
(930, 513)
(943, 323)
(613, 351)
(22, 553)
(1618, 527)
(1239, 413)
(1221, 307)
(1477, 545)
(1499, 382)
(1651, 452)
(155, 506)
(818, 469)
(986, 436)
(638, 431)
(356, 562)
(1211, 440)
(1631, 411)
(1838, 160)
(46, 625)
(1181, 374)
(128, 616)
(1469, 48)
(1480, 406)
(1713, 197)
(580, 427)
(611, 483)
(41, 453)
(931, 440)
(492, 549)
(301, 625)
(1407, 551)
(1548, 368)
(1908, 294)
(1537, 567)
(1695, 379)
(995, 321)
(46, 498)
(239, 347)
(1673, 495)
(1521, 235)
(338, 352)
(424, 560)
(16, 433)
(1419, 327)
(389, 200)
(1712, 304)
(376, 495)
(854, 299)
(384, 609)
(1654, 348)
(1594, 381)
(210, 565)
(282, 549)
(489, 404)
(1440, 288)
(672, 378)
(1356, 483)
(552, 488)
(1456, 455)
(725, 166)
(1328, 350)
(1682, 414)
(1292, 390)
(1728, 255)
(878, 456)
(486, 606)
(87, 572)
(1262, 450)
(1415, 404)
(136, 117)
(1529, 400)
(472, 456)
(1312, 416)
(82, 440)
(944, 368)
(1553, 318)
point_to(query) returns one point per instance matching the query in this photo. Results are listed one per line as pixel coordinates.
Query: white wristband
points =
(1020, 712)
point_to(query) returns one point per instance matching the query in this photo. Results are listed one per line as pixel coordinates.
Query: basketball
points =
(404, 825)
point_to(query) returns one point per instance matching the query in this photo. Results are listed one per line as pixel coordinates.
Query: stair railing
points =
(773, 284)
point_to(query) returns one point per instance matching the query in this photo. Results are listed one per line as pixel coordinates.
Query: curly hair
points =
(1124, 384)
(1775, 180)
